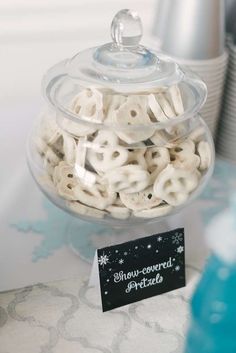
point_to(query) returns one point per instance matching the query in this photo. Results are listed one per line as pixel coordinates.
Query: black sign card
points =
(142, 268)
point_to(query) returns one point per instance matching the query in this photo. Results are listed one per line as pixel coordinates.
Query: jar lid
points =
(123, 65)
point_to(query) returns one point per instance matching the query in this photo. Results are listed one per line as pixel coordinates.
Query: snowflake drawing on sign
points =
(103, 260)
(159, 239)
(121, 261)
(177, 268)
(177, 238)
(180, 249)
(149, 246)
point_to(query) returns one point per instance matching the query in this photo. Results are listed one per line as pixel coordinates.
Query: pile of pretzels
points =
(136, 170)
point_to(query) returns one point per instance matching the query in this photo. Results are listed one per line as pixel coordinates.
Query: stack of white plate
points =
(213, 73)
(226, 140)
(193, 33)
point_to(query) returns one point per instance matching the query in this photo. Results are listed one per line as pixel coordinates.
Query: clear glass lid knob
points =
(126, 28)
(125, 52)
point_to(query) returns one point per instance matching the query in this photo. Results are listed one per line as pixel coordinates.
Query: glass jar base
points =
(83, 238)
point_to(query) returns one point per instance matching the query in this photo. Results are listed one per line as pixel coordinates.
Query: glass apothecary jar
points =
(121, 139)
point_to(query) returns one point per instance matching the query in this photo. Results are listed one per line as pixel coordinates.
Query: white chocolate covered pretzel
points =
(69, 148)
(112, 104)
(105, 153)
(76, 129)
(165, 105)
(84, 210)
(183, 155)
(187, 146)
(164, 138)
(157, 159)
(129, 178)
(65, 181)
(178, 131)
(161, 139)
(118, 212)
(97, 195)
(51, 157)
(141, 200)
(136, 156)
(133, 112)
(158, 211)
(204, 151)
(172, 107)
(49, 129)
(197, 134)
(71, 188)
(57, 147)
(156, 108)
(176, 99)
(88, 105)
(118, 202)
(174, 185)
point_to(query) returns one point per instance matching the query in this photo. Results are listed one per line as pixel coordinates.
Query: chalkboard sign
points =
(142, 268)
